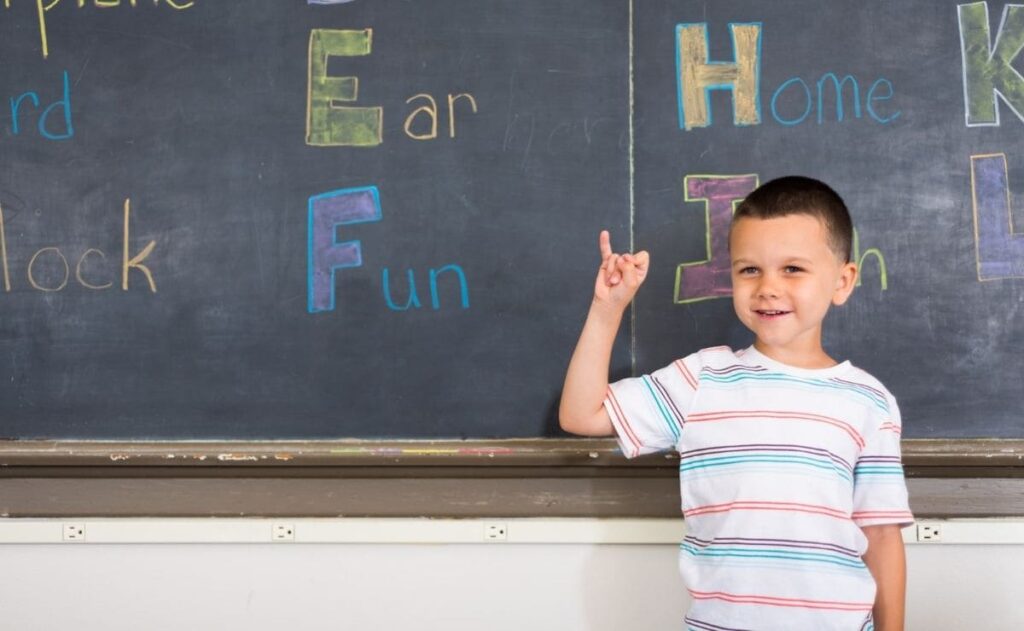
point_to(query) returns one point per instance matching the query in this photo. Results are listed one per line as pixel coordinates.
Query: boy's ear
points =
(845, 283)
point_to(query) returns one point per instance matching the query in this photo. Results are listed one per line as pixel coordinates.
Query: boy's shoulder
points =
(860, 378)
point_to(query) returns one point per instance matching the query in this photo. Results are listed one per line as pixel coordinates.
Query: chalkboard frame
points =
(551, 478)
(923, 457)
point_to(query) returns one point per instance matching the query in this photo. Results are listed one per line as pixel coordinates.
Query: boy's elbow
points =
(572, 426)
(596, 424)
(566, 421)
(569, 420)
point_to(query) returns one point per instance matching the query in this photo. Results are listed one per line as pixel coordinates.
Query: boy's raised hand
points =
(581, 410)
(620, 275)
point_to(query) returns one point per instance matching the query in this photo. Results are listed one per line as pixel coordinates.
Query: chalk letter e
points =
(329, 125)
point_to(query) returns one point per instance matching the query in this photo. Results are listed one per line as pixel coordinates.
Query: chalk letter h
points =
(697, 75)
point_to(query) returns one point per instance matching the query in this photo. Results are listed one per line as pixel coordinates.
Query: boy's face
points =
(784, 279)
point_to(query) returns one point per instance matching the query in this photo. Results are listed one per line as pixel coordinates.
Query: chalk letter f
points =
(327, 211)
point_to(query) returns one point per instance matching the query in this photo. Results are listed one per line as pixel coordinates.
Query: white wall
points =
(449, 586)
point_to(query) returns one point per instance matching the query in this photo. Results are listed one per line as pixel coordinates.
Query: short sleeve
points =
(648, 412)
(879, 488)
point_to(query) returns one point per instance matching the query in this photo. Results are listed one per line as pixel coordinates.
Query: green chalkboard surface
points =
(377, 219)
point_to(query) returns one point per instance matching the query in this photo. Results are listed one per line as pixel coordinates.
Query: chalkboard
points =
(276, 219)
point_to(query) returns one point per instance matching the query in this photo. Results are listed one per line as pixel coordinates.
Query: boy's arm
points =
(886, 559)
(586, 381)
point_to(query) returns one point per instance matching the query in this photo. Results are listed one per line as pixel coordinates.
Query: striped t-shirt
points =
(779, 468)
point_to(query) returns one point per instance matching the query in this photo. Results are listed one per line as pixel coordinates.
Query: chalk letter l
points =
(1000, 248)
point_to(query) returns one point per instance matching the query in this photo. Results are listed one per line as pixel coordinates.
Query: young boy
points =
(792, 487)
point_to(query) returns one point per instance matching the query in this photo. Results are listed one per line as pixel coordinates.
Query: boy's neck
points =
(813, 356)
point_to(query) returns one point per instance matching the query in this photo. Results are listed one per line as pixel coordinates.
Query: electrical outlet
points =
(495, 531)
(929, 532)
(283, 532)
(74, 532)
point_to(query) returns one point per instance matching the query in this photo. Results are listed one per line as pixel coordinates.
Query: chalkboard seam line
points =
(632, 195)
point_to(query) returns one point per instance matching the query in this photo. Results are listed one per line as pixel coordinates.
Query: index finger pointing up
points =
(605, 243)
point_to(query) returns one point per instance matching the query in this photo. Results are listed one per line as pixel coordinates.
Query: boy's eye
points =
(792, 269)
(748, 270)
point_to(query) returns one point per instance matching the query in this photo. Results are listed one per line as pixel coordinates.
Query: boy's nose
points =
(767, 289)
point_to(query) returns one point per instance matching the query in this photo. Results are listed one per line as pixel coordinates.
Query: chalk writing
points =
(999, 247)
(330, 210)
(880, 90)
(698, 76)
(328, 124)
(711, 277)
(327, 211)
(31, 277)
(429, 110)
(861, 258)
(987, 70)
(22, 104)
(55, 255)
(463, 288)
(135, 261)
(433, 275)
(81, 278)
(413, 299)
(44, 7)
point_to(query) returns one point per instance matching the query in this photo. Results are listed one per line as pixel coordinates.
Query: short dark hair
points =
(798, 195)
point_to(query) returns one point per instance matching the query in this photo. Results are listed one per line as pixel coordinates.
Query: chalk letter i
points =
(712, 277)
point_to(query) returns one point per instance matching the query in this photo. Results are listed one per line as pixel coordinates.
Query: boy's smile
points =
(785, 276)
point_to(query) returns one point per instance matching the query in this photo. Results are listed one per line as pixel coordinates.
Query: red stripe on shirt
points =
(630, 434)
(769, 506)
(687, 375)
(801, 603)
(883, 514)
(746, 415)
